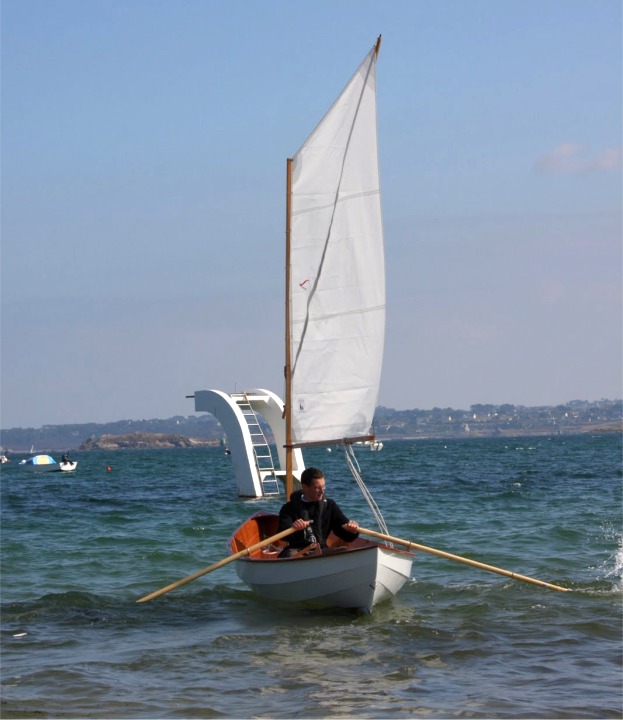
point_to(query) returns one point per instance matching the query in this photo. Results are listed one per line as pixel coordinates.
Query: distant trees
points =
(480, 419)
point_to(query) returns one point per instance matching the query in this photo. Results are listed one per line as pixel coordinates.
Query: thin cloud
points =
(569, 158)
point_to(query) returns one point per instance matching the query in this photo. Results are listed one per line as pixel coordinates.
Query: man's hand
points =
(300, 524)
(351, 526)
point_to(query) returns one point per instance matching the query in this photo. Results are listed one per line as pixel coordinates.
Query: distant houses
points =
(578, 416)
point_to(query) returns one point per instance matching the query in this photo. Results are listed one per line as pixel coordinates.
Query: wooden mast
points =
(288, 365)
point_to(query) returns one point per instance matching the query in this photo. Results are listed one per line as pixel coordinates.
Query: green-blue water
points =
(79, 549)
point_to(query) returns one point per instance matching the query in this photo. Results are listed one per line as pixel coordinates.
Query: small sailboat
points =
(67, 465)
(335, 325)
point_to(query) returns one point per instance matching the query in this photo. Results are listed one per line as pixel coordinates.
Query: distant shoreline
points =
(480, 421)
(163, 441)
(614, 428)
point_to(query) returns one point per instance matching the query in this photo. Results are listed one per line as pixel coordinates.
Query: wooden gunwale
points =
(342, 551)
(263, 524)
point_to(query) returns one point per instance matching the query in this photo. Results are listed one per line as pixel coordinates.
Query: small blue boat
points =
(40, 462)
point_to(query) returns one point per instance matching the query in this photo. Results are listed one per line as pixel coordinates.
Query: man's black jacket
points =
(325, 514)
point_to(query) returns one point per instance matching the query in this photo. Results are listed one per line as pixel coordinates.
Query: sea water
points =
(79, 549)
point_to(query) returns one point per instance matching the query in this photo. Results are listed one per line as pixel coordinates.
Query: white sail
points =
(337, 280)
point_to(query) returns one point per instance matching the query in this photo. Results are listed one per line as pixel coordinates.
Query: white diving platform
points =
(257, 475)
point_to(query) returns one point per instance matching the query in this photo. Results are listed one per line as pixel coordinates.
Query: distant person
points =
(313, 515)
(64, 459)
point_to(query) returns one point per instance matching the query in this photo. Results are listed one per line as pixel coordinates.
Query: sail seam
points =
(329, 316)
(345, 198)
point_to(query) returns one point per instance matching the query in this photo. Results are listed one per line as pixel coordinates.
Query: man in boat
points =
(314, 515)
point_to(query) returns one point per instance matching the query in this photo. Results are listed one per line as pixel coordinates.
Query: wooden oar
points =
(459, 558)
(216, 565)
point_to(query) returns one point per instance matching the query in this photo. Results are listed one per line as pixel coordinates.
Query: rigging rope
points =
(353, 465)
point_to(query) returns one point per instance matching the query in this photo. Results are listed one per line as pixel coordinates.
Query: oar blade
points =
(216, 565)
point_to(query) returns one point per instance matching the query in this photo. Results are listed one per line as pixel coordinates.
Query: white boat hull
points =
(357, 575)
(68, 466)
(358, 578)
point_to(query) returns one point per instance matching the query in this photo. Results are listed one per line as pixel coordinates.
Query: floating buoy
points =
(108, 468)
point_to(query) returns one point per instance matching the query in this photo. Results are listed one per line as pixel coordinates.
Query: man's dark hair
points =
(310, 474)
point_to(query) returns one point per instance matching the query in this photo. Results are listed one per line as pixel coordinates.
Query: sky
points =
(144, 147)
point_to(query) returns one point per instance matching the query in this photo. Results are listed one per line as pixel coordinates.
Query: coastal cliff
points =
(142, 440)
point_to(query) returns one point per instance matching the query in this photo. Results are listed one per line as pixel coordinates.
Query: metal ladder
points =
(261, 449)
